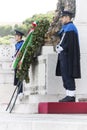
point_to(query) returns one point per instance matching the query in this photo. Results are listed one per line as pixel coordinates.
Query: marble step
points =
(22, 108)
(36, 98)
(29, 104)
(26, 108)
(43, 121)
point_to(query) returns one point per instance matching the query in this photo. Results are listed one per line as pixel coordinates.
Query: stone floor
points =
(43, 121)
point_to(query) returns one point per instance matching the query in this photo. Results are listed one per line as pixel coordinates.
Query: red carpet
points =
(62, 108)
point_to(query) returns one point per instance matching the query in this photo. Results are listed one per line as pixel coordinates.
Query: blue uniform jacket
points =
(18, 46)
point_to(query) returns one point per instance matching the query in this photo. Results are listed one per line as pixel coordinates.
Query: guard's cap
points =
(66, 13)
(17, 32)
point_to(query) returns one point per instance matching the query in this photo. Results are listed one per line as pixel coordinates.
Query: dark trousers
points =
(20, 87)
(68, 81)
(18, 83)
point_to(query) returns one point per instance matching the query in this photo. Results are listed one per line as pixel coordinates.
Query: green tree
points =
(5, 30)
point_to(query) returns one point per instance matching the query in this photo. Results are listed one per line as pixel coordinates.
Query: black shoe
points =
(67, 99)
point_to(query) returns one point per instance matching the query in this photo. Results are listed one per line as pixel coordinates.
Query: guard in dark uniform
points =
(18, 38)
(68, 64)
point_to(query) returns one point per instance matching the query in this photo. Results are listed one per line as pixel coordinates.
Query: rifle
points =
(12, 97)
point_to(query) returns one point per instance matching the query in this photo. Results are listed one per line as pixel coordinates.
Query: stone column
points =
(81, 23)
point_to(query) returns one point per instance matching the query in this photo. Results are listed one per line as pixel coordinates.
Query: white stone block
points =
(26, 108)
(47, 50)
(43, 98)
(19, 125)
(3, 126)
(6, 91)
(6, 78)
(41, 74)
(81, 11)
(82, 30)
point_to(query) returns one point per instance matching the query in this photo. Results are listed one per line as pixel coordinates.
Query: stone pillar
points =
(81, 23)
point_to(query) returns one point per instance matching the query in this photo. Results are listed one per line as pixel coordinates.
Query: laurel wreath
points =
(37, 41)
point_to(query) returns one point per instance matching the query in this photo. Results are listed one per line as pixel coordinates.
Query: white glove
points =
(58, 49)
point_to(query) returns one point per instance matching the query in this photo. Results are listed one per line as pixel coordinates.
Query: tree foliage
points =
(6, 30)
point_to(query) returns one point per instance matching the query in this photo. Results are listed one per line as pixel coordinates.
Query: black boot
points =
(67, 99)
